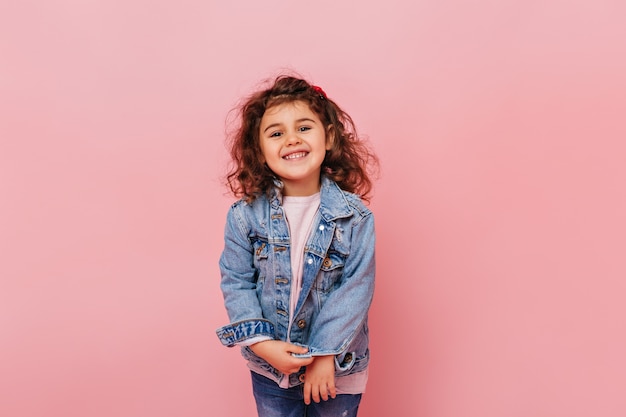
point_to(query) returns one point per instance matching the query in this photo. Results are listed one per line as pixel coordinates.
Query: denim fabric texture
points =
(273, 401)
(337, 283)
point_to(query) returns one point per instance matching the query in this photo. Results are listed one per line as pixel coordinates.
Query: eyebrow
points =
(304, 119)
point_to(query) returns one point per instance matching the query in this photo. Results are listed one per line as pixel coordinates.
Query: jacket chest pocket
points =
(330, 272)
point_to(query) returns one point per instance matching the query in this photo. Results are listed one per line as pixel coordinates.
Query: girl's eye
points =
(275, 134)
(304, 128)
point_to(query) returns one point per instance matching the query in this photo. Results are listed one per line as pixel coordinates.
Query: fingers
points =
(322, 394)
(306, 361)
(332, 391)
(293, 364)
(307, 393)
(317, 393)
(297, 349)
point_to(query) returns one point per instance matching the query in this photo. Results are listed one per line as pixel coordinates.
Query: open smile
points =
(295, 155)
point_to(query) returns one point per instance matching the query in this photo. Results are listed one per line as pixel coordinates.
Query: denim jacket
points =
(330, 317)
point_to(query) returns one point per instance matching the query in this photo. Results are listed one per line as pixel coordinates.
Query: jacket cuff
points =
(240, 331)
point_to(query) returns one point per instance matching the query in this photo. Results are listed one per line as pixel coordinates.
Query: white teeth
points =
(295, 155)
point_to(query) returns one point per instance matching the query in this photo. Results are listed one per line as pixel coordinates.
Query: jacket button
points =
(301, 377)
(327, 262)
(301, 323)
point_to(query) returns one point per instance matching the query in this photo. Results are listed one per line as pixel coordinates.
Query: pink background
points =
(500, 210)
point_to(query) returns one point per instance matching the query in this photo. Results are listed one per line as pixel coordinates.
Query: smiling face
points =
(294, 142)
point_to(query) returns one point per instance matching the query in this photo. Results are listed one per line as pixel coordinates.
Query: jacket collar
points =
(333, 202)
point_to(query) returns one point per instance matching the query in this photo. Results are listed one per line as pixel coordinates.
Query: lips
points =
(296, 155)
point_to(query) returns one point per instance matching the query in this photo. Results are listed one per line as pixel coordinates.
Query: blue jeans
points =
(274, 401)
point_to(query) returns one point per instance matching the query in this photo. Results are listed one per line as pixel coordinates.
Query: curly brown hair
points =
(349, 162)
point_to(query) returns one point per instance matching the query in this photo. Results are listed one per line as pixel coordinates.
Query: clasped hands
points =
(319, 378)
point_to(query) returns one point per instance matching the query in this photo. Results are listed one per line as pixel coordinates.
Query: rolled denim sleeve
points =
(238, 285)
(245, 332)
(340, 320)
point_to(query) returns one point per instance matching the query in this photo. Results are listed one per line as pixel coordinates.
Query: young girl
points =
(298, 261)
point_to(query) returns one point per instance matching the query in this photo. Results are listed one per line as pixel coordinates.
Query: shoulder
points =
(339, 203)
(244, 205)
(247, 213)
(356, 204)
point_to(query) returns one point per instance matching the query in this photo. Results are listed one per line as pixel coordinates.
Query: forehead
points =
(288, 110)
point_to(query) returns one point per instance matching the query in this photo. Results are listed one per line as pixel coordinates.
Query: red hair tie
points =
(321, 92)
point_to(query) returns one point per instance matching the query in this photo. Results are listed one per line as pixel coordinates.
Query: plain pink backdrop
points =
(500, 210)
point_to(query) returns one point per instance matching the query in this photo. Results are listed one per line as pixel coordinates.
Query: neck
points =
(296, 189)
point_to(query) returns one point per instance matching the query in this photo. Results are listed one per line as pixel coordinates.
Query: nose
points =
(292, 138)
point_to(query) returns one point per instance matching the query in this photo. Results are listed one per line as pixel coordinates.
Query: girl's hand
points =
(279, 354)
(319, 380)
